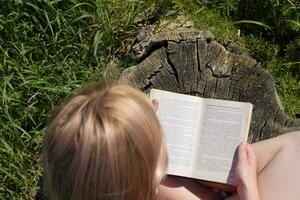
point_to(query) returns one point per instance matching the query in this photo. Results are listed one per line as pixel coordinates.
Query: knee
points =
(297, 137)
(293, 139)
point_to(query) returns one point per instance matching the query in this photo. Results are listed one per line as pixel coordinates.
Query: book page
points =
(178, 115)
(224, 125)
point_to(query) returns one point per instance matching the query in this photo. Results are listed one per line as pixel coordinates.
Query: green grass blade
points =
(97, 41)
(86, 15)
(255, 23)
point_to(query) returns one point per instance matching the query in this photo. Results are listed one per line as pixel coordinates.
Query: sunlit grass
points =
(50, 48)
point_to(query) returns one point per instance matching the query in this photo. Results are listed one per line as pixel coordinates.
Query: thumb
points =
(251, 156)
(155, 104)
(242, 154)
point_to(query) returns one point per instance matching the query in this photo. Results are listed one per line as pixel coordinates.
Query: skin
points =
(278, 164)
(178, 188)
(175, 188)
(246, 173)
(278, 167)
(267, 170)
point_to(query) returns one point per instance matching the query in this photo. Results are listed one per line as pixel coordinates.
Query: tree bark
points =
(189, 61)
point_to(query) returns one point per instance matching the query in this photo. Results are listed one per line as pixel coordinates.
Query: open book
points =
(202, 135)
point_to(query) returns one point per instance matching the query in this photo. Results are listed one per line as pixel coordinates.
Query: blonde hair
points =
(104, 143)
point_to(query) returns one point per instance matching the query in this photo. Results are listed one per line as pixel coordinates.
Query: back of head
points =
(104, 143)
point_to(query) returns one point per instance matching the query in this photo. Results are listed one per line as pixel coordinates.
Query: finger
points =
(155, 104)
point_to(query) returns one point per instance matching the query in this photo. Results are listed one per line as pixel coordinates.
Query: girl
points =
(106, 143)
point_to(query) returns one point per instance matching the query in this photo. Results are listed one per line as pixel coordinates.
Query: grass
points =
(28, 94)
(279, 60)
(50, 48)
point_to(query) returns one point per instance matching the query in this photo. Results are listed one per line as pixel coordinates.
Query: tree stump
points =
(188, 61)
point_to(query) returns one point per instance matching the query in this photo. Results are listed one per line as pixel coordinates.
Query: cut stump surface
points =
(189, 61)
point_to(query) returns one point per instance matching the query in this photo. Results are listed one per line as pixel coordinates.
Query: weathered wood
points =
(190, 62)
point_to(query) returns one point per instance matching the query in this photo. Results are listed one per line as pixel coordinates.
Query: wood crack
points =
(169, 63)
(155, 72)
(172, 66)
(198, 61)
(262, 129)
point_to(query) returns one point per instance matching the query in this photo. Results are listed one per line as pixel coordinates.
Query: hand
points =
(155, 104)
(178, 193)
(246, 173)
(179, 188)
